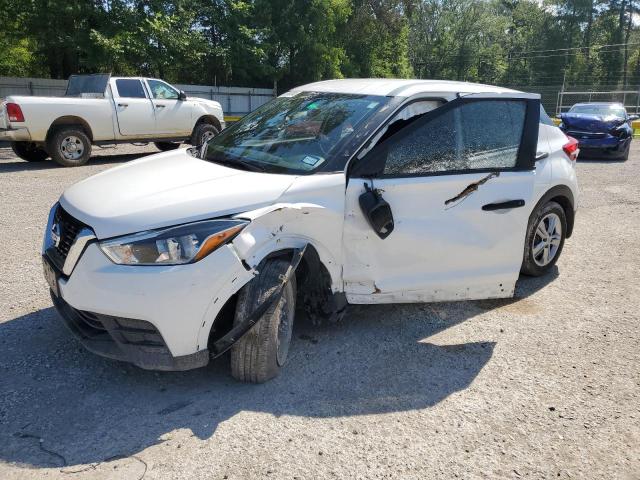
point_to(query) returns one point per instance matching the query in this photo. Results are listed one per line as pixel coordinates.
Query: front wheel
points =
(203, 133)
(260, 354)
(545, 238)
(29, 151)
(69, 146)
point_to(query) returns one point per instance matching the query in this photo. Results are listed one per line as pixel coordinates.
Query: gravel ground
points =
(542, 386)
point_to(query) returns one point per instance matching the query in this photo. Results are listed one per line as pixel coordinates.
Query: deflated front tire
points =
(260, 354)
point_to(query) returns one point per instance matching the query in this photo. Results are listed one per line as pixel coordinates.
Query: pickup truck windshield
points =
(293, 134)
(87, 85)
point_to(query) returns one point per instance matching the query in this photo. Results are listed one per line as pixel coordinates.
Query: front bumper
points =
(600, 144)
(125, 339)
(15, 135)
(175, 305)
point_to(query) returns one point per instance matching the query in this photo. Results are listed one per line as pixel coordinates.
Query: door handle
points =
(123, 104)
(503, 205)
(160, 106)
(541, 156)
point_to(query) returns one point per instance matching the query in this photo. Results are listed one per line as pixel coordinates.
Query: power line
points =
(579, 48)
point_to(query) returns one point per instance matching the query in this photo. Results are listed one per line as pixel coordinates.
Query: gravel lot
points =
(543, 386)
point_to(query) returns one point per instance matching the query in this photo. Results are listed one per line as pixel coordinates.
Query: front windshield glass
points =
(294, 134)
(601, 110)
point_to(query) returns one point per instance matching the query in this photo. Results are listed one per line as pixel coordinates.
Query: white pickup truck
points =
(104, 110)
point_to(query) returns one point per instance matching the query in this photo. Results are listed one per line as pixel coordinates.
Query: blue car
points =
(603, 130)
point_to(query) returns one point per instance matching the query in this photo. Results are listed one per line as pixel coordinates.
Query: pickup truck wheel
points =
(203, 133)
(545, 238)
(261, 353)
(69, 146)
(166, 146)
(29, 151)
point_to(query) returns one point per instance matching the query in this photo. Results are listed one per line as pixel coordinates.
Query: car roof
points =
(397, 87)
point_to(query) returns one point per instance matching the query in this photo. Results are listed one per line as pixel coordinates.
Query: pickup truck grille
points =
(67, 228)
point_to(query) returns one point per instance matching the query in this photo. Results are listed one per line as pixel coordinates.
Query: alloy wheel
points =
(547, 239)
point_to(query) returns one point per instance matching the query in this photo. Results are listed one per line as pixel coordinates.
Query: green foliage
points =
(258, 42)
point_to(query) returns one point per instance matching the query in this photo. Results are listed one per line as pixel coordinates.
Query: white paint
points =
(112, 118)
(436, 252)
(167, 189)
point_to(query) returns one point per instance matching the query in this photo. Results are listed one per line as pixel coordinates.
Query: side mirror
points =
(182, 96)
(377, 212)
(633, 117)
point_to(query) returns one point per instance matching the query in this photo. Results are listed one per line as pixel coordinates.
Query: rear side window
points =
(544, 118)
(472, 136)
(130, 88)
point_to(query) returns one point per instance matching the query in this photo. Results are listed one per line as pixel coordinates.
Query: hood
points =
(591, 123)
(167, 189)
(204, 101)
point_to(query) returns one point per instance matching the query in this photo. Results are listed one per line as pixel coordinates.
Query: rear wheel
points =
(262, 352)
(69, 146)
(545, 238)
(166, 146)
(29, 151)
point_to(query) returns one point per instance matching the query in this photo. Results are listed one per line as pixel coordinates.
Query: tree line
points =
(259, 42)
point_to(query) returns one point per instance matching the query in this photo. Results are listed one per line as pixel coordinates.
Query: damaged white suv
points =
(338, 192)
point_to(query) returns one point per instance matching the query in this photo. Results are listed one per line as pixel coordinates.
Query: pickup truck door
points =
(173, 116)
(459, 181)
(133, 107)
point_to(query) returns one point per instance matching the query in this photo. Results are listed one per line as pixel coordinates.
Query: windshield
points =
(601, 110)
(294, 134)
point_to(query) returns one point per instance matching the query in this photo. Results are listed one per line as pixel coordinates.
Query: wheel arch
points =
(562, 195)
(70, 120)
(210, 119)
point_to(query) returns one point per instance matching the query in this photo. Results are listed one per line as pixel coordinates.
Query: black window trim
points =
(372, 164)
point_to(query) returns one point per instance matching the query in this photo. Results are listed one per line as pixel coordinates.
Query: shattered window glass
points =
(473, 136)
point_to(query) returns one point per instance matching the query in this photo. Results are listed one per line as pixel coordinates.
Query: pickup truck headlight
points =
(172, 246)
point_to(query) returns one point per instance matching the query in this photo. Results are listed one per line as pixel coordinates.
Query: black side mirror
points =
(182, 96)
(377, 211)
(633, 118)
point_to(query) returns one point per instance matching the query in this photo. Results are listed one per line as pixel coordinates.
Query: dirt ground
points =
(546, 385)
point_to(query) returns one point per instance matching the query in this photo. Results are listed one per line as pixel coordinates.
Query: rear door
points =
(173, 116)
(134, 109)
(459, 181)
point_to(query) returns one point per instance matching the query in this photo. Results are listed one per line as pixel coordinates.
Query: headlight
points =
(172, 246)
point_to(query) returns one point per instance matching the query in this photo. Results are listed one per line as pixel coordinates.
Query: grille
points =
(69, 229)
(579, 134)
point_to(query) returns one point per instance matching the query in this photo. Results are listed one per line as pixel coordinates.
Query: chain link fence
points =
(236, 101)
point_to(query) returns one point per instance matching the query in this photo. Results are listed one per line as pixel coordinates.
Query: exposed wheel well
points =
(71, 120)
(314, 294)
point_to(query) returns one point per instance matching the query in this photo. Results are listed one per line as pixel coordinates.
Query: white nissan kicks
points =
(335, 193)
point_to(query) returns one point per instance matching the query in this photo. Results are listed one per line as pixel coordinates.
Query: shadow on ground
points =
(88, 409)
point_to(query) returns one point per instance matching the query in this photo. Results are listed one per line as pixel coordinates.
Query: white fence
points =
(235, 101)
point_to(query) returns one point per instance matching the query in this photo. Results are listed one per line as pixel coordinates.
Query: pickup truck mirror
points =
(182, 96)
